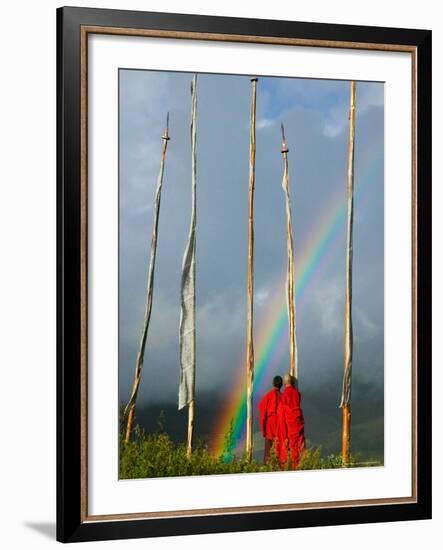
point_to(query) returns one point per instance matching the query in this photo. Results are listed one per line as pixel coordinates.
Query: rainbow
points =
(271, 337)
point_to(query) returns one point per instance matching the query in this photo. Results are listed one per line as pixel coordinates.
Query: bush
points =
(156, 455)
(311, 459)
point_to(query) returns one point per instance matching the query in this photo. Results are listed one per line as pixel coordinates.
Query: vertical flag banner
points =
(290, 295)
(187, 319)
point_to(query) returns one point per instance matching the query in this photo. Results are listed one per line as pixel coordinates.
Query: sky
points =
(315, 116)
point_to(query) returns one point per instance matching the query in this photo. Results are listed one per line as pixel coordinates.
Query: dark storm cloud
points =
(322, 417)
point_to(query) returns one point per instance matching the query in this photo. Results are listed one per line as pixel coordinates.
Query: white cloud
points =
(367, 96)
(261, 296)
(367, 329)
(264, 123)
(331, 99)
(328, 301)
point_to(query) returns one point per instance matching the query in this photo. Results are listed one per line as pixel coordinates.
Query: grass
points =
(156, 455)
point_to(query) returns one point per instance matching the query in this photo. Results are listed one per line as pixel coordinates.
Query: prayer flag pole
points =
(290, 296)
(186, 392)
(250, 344)
(130, 407)
(348, 337)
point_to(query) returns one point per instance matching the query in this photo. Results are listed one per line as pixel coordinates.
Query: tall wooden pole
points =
(130, 407)
(348, 337)
(290, 296)
(191, 411)
(250, 343)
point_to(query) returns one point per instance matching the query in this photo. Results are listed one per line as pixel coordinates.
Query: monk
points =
(291, 423)
(268, 408)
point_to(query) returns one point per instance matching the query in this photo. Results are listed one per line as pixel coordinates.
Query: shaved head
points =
(289, 380)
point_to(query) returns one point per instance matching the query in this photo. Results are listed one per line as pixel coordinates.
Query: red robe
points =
(291, 426)
(269, 424)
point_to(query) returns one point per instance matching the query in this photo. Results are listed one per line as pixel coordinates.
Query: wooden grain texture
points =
(250, 324)
(84, 276)
(130, 407)
(290, 275)
(249, 39)
(348, 333)
(252, 509)
(414, 269)
(191, 417)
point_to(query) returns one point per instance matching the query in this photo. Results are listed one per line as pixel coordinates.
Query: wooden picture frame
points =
(73, 27)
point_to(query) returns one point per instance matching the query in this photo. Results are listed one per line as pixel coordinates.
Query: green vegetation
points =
(156, 455)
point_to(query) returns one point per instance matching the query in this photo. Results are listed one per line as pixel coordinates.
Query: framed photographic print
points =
(244, 274)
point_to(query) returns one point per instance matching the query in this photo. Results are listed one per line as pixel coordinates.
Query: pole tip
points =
(165, 135)
(284, 148)
(254, 79)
